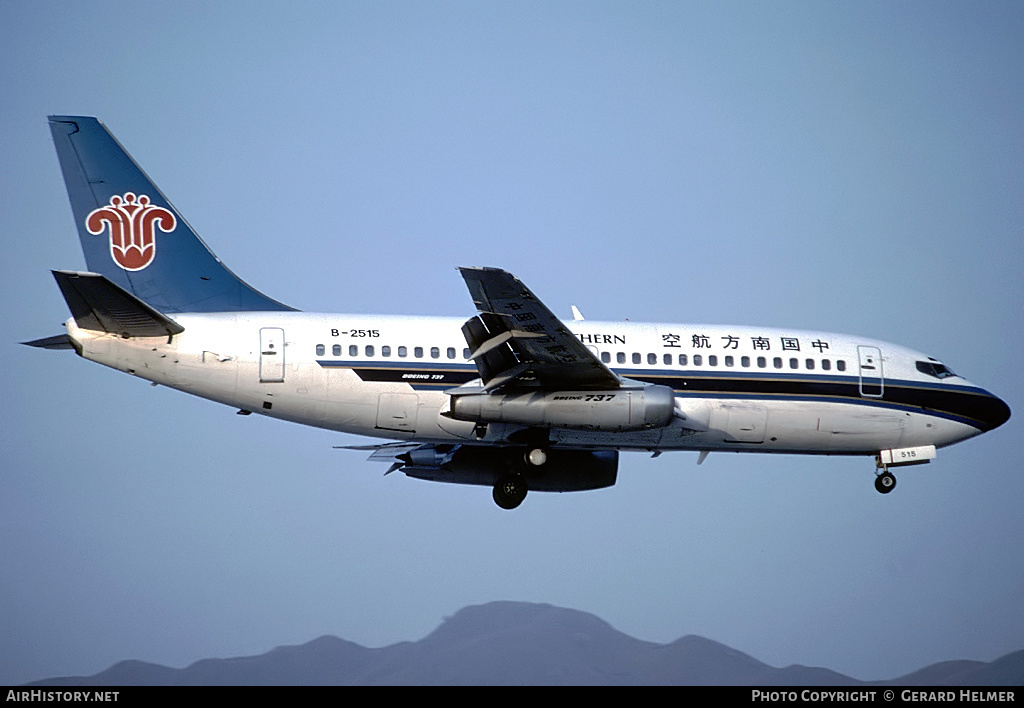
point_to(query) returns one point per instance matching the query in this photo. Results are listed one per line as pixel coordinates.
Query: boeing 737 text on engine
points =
(512, 398)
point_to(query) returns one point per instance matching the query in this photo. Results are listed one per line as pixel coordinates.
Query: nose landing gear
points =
(885, 482)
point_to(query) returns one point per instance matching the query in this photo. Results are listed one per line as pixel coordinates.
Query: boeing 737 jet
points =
(512, 398)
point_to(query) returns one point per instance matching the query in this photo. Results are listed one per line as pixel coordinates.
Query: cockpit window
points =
(934, 368)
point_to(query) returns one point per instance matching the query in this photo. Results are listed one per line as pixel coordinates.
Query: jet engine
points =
(611, 411)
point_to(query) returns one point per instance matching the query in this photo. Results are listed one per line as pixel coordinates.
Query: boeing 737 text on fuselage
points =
(512, 398)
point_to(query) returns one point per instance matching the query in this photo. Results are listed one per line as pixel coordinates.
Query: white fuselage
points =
(755, 389)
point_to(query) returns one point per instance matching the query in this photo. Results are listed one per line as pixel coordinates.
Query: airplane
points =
(512, 398)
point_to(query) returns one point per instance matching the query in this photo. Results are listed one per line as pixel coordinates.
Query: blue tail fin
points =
(132, 235)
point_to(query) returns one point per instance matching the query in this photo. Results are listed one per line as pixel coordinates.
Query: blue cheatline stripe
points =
(969, 405)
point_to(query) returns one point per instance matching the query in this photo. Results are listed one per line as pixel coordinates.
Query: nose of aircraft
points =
(990, 411)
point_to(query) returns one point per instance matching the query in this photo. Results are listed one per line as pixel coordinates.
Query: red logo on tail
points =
(133, 223)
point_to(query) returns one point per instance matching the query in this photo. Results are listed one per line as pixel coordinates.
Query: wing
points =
(397, 453)
(517, 342)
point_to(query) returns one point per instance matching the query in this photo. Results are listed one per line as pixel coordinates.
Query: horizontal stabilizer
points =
(59, 341)
(99, 305)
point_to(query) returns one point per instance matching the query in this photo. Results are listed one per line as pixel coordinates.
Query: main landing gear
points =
(510, 489)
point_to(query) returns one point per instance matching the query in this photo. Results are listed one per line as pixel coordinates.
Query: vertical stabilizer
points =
(132, 234)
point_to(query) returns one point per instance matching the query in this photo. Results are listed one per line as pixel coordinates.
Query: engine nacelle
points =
(605, 411)
(563, 470)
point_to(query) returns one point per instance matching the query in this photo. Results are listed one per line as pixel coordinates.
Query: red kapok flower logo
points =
(133, 223)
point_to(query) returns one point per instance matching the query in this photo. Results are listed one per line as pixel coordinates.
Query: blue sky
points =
(854, 167)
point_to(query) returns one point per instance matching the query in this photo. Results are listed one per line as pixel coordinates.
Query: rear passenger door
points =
(271, 355)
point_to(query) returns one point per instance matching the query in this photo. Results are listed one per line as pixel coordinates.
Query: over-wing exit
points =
(512, 398)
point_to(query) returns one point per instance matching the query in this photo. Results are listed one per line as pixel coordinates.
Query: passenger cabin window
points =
(336, 350)
(320, 350)
(682, 360)
(745, 362)
(466, 353)
(810, 364)
(353, 350)
(606, 357)
(652, 358)
(385, 351)
(369, 350)
(761, 362)
(712, 360)
(621, 357)
(435, 353)
(934, 368)
(777, 362)
(667, 359)
(697, 360)
(403, 352)
(451, 352)
(418, 352)
(841, 365)
(826, 364)
(636, 357)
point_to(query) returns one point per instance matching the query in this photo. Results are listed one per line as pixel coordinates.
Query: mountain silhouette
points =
(517, 643)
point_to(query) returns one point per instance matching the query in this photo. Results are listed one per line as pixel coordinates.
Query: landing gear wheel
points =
(885, 483)
(510, 491)
(536, 457)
